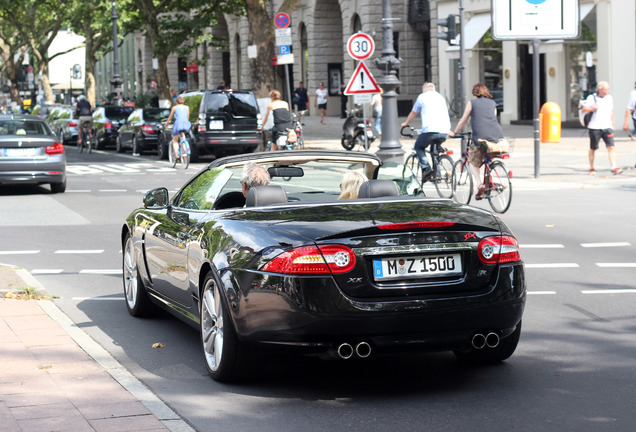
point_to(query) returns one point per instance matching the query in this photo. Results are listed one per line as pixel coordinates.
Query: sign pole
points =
(536, 102)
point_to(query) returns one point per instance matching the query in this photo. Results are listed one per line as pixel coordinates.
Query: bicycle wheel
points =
(172, 157)
(500, 190)
(414, 165)
(80, 145)
(89, 141)
(185, 157)
(462, 182)
(300, 144)
(444, 178)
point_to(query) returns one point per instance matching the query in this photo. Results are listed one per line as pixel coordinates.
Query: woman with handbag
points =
(483, 121)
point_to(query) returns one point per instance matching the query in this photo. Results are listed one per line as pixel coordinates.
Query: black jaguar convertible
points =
(292, 268)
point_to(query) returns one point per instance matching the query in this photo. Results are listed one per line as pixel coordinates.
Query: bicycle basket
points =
(495, 148)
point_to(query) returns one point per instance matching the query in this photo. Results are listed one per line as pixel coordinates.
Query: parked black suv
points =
(224, 122)
(107, 120)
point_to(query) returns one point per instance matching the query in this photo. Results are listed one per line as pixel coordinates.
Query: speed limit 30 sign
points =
(360, 46)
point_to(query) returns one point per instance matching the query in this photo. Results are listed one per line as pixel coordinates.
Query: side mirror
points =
(156, 198)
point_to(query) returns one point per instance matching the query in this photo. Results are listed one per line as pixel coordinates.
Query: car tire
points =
(58, 187)
(137, 300)
(495, 355)
(118, 145)
(162, 148)
(225, 356)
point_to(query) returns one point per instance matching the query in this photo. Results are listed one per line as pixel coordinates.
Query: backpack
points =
(584, 118)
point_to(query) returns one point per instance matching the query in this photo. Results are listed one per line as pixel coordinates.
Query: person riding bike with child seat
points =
(181, 114)
(483, 122)
(435, 123)
(282, 117)
(83, 112)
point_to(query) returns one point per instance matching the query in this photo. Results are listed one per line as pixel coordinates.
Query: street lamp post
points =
(390, 147)
(116, 79)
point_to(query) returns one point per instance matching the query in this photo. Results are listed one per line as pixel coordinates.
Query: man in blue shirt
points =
(435, 122)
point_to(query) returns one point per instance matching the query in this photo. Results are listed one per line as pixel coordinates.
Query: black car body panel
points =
(107, 120)
(177, 244)
(142, 129)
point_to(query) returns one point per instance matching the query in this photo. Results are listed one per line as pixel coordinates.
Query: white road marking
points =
(112, 190)
(616, 265)
(88, 251)
(46, 271)
(79, 191)
(553, 265)
(101, 271)
(615, 244)
(541, 246)
(610, 291)
(97, 298)
(541, 292)
(20, 252)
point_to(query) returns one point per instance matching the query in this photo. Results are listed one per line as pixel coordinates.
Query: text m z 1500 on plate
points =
(417, 266)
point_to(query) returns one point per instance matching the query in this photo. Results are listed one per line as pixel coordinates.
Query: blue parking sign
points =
(284, 50)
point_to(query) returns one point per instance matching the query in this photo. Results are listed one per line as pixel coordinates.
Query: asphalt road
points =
(573, 369)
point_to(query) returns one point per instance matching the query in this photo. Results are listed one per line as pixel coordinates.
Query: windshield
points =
(237, 104)
(118, 112)
(156, 114)
(23, 127)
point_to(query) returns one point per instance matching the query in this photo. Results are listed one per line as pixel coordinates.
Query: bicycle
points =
(441, 168)
(497, 183)
(89, 139)
(183, 152)
(298, 127)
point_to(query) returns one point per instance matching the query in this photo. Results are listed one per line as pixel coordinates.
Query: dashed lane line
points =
(610, 291)
(77, 251)
(102, 271)
(600, 245)
(617, 265)
(46, 271)
(20, 252)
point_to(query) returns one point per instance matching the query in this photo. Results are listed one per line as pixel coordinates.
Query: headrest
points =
(265, 195)
(378, 188)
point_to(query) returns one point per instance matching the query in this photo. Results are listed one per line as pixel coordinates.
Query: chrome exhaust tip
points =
(345, 351)
(478, 341)
(363, 350)
(492, 340)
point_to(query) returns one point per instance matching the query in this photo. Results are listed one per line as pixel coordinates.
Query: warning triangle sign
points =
(361, 82)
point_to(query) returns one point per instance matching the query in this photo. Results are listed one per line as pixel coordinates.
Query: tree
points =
(262, 35)
(92, 20)
(175, 26)
(37, 22)
(12, 50)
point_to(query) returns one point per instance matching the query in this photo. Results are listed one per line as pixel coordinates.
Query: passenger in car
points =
(350, 185)
(253, 175)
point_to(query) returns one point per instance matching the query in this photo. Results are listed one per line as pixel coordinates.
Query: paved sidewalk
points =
(561, 165)
(54, 377)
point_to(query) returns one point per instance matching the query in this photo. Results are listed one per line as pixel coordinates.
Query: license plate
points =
(216, 124)
(369, 134)
(20, 152)
(417, 266)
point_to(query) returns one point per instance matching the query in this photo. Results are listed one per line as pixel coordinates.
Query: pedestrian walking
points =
(376, 105)
(301, 100)
(435, 122)
(343, 101)
(484, 125)
(631, 112)
(320, 101)
(601, 125)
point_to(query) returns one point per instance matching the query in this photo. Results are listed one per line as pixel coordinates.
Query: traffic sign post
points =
(282, 21)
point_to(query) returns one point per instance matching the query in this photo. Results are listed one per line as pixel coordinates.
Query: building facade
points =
(320, 29)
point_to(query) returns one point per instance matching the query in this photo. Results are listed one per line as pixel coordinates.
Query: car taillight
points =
(55, 149)
(147, 129)
(499, 249)
(108, 125)
(72, 124)
(311, 260)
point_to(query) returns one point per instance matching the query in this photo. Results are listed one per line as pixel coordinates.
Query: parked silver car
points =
(31, 153)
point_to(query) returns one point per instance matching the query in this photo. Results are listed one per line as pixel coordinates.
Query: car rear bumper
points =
(312, 315)
(228, 143)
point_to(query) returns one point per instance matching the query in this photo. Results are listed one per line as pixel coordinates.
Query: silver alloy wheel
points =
(130, 275)
(212, 326)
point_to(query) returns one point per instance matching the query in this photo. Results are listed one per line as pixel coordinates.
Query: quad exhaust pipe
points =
(480, 341)
(346, 351)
